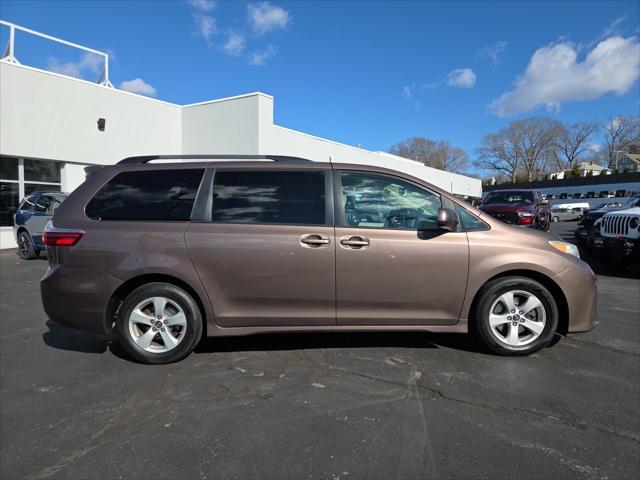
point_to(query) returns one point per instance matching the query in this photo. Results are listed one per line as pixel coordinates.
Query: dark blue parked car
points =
(31, 217)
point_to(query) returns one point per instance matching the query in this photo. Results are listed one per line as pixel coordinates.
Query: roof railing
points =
(149, 158)
(9, 55)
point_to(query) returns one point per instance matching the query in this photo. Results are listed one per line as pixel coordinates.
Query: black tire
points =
(26, 249)
(194, 323)
(491, 292)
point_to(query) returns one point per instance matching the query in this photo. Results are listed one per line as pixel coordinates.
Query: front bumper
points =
(616, 247)
(78, 297)
(579, 285)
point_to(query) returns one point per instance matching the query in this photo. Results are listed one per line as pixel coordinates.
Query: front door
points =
(267, 257)
(393, 265)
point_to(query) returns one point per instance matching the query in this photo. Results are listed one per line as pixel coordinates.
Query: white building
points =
(584, 169)
(49, 131)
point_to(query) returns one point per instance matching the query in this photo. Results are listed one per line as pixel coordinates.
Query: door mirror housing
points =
(447, 220)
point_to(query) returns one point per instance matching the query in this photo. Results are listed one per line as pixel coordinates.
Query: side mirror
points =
(447, 220)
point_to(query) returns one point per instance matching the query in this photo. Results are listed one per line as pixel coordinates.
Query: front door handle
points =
(314, 240)
(354, 241)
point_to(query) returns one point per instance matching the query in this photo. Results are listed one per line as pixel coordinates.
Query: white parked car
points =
(619, 233)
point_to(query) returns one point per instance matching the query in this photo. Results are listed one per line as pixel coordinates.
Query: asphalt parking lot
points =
(328, 406)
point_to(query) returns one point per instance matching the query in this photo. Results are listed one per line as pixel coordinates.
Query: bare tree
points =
(622, 134)
(536, 141)
(499, 154)
(433, 153)
(451, 159)
(572, 142)
(523, 146)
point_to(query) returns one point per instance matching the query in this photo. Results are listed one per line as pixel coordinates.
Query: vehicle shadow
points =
(70, 339)
(315, 340)
(64, 338)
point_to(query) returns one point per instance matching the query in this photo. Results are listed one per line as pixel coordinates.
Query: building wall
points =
(50, 116)
(229, 125)
(284, 141)
(73, 175)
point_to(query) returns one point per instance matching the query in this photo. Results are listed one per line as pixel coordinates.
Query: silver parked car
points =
(564, 214)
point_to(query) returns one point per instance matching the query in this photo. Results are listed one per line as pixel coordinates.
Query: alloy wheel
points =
(157, 324)
(517, 318)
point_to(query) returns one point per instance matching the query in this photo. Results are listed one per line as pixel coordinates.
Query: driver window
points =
(379, 201)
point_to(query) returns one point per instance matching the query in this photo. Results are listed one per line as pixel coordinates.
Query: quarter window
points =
(379, 201)
(147, 195)
(469, 221)
(271, 197)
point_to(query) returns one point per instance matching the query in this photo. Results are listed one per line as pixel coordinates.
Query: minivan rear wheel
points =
(159, 323)
(515, 316)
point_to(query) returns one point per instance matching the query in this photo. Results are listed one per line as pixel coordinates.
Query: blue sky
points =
(368, 73)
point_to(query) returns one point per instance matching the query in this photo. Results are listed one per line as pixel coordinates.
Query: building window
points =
(20, 177)
(8, 202)
(41, 171)
(9, 169)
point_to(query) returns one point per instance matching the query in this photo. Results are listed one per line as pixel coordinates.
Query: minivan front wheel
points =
(159, 323)
(516, 316)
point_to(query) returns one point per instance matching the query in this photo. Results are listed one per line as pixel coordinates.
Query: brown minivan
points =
(163, 254)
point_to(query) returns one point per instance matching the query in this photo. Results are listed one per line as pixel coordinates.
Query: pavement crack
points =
(531, 413)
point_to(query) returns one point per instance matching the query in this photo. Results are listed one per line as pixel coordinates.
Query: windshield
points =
(509, 197)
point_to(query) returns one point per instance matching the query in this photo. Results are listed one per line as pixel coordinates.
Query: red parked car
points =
(518, 207)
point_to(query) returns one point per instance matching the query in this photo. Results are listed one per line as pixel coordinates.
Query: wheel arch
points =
(115, 302)
(21, 229)
(546, 281)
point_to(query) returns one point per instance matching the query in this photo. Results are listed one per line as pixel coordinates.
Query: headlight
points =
(565, 247)
(634, 222)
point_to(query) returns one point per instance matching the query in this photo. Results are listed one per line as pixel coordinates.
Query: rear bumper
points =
(78, 297)
(580, 289)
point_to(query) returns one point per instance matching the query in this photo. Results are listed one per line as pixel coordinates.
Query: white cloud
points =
(493, 53)
(88, 62)
(462, 78)
(613, 28)
(265, 17)
(235, 44)
(203, 5)
(554, 75)
(408, 92)
(260, 57)
(206, 25)
(139, 86)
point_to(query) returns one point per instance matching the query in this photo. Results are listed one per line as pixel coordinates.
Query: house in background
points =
(629, 162)
(585, 169)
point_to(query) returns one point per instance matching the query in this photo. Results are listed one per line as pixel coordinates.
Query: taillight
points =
(60, 237)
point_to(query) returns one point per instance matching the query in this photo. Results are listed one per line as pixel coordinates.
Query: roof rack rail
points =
(148, 158)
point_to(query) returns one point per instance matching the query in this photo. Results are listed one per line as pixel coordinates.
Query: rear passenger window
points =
(273, 197)
(42, 204)
(147, 195)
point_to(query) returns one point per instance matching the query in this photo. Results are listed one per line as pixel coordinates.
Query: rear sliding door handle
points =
(354, 241)
(314, 240)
